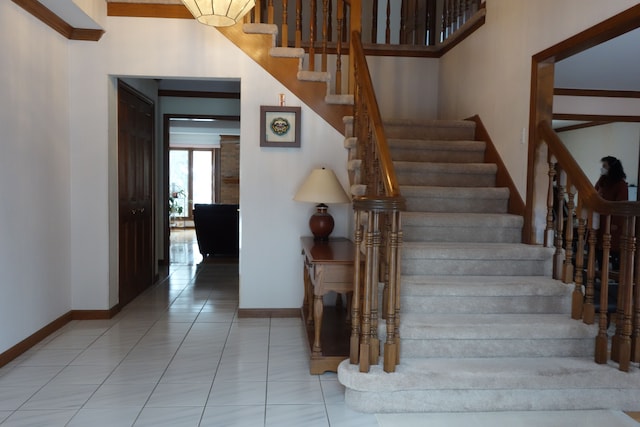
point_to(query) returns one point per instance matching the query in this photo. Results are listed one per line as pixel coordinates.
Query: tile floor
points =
(176, 356)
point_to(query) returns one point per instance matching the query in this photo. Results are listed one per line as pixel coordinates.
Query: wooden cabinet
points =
(328, 266)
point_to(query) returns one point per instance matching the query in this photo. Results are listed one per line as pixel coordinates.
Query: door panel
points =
(135, 192)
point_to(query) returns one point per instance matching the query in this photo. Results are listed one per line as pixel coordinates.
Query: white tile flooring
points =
(176, 356)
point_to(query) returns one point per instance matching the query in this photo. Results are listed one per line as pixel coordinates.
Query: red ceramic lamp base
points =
(321, 223)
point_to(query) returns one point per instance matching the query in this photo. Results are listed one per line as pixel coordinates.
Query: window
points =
(193, 179)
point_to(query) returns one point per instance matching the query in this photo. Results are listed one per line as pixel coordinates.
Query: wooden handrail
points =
(588, 194)
(388, 172)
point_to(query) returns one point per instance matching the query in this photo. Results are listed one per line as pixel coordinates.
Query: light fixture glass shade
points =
(322, 186)
(219, 13)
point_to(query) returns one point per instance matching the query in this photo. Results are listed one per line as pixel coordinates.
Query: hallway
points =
(176, 356)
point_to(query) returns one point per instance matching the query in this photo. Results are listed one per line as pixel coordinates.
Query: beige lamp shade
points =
(322, 186)
(219, 13)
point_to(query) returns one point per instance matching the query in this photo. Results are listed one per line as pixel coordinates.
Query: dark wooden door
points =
(135, 191)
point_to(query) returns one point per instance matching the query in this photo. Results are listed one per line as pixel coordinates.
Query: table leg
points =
(318, 307)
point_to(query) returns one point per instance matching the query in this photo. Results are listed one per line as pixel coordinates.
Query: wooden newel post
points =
(354, 345)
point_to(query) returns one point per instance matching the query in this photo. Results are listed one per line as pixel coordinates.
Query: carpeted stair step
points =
(479, 259)
(493, 335)
(461, 227)
(455, 199)
(446, 174)
(430, 129)
(486, 384)
(484, 295)
(425, 150)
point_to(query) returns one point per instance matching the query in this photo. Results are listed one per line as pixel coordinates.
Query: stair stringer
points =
(285, 69)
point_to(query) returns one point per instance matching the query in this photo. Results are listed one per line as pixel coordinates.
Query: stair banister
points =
(597, 212)
(377, 214)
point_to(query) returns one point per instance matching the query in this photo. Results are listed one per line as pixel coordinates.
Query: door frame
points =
(166, 143)
(542, 87)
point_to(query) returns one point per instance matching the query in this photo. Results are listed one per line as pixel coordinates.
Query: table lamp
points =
(321, 186)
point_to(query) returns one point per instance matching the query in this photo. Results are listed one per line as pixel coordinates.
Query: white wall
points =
(589, 145)
(34, 175)
(489, 73)
(272, 222)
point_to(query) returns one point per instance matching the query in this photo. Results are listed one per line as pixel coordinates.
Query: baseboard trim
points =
(33, 339)
(253, 313)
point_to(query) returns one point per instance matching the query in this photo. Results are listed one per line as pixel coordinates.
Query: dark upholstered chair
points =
(217, 229)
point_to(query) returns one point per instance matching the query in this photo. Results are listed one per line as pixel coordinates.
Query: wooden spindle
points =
(622, 281)
(391, 345)
(377, 241)
(549, 229)
(355, 24)
(325, 19)
(354, 344)
(635, 336)
(312, 36)
(558, 256)
(626, 298)
(257, 11)
(374, 21)
(403, 21)
(284, 41)
(578, 297)
(330, 22)
(340, 19)
(588, 310)
(298, 42)
(365, 341)
(398, 287)
(602, 340)
(270, 12)
(387, 31)
(568, 241)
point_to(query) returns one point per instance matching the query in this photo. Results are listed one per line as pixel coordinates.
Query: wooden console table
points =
(328, 266)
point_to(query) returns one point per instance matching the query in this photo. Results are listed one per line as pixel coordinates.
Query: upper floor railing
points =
(582, 226)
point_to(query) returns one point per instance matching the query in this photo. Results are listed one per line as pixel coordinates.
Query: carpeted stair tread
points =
(446, 174)
(442, 219)
(482, 286)
(430, 129)
(461, 227)
(455, 199)
(420, 326)
(474, 251)
(557, 373)
(426, 150)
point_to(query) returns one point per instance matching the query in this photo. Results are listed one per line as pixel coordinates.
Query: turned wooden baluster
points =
(340, 19)
(558, 256)
(284, 41)
(374, 22)
(549, 229)
(298, 42)
(635, 336)
(403, 22)
(312, 36)
(391, 345)
(365, 341)
(354, 345)
(588, 310)
(377, 241)
(568, 242)
(578, 297)
(625, 296)
(330, 22)
(622, 281)
(270, 12)
(602, 339)
(257, 10)
(387, 31)
(325, 16)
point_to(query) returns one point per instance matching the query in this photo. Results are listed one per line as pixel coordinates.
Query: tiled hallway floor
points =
(178, 355)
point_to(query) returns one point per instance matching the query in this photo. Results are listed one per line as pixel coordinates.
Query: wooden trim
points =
(253, 313)
(595, 117)
(581, 126)
(597, 93)
(95, 314)
(155, 10)
(38, 10)
(503, 178)
(608, 29)
(34, 338)
(198, 94)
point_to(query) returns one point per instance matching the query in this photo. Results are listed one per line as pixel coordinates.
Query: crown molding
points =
(37, 9)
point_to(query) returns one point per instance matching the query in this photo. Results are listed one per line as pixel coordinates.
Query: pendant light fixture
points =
(219, 13)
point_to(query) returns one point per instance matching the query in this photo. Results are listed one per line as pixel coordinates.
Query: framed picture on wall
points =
(279, 126)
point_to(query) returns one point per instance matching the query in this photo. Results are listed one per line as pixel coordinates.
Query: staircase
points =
(483, 326)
